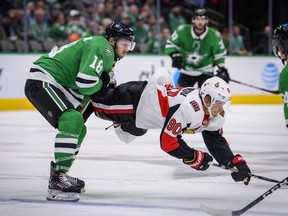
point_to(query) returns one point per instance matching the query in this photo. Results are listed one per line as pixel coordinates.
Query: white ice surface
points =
(140, 179)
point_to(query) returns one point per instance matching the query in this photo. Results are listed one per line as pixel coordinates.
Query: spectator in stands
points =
(100, 11)
(58, 29)
(75, 26)
(145, 12)
(133, 13)
(141, 35)
(38, 27)
(157, 45)
(30, 12)
(262, 46)
(152, 5)
(237, 42)
(92, 29)
(117, 12)
(2, 31)
(40, 4)
(13, 27)
(175, 18)
(225, 38)
(103, 24)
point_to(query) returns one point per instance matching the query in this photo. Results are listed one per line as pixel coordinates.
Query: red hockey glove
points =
(201, 161)
(240, 169)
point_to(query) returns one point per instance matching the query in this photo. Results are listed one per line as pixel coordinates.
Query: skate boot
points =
(63, 187)
(74, 181)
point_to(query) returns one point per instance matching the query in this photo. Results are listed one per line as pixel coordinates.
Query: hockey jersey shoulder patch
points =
(195, 105)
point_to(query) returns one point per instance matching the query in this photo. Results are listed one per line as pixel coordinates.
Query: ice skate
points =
(74, 181)
(63, 187)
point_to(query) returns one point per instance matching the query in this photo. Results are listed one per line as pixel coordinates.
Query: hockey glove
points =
(222, 72)
(176, 60)
(240, 169)
(201, 161)
(104, 89)
(112, 82)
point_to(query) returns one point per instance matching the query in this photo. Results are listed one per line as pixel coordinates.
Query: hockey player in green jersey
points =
(280, 49)
(195, 49)
(59, 85)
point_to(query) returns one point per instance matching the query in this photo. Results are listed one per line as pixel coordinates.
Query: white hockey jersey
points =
(159, 96)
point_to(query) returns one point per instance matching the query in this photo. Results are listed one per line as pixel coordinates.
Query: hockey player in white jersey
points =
(135, 107)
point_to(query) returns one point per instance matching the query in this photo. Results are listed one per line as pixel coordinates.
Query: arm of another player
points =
(171, 142)
(219, 148)
(283, 89)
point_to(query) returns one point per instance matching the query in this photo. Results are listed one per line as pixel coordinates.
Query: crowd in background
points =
(59, 22)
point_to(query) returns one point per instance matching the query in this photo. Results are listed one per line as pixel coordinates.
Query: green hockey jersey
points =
(283, 89)
(79, 65)
(198, 52)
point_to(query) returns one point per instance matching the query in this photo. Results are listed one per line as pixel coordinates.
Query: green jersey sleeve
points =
(283, 89)
(95, 60)
(80, 64)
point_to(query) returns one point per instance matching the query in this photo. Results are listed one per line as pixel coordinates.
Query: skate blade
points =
(56, 195)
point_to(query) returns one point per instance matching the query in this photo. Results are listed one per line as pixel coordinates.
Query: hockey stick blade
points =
(216, 212)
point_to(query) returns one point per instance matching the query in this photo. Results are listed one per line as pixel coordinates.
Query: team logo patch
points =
(195, 105)
(108, 51)
(205, 122)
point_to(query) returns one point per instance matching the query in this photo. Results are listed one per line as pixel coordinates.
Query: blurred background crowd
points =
(37, 25)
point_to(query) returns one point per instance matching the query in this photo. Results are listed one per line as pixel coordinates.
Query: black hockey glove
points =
(222, 72)
(176, 60)
(103, 91)
(240, 169)
(105, 78)
(201, 161)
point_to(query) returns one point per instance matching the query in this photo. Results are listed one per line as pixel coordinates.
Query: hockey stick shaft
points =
(236, 81)
(239, 212)
(256, 87)
(260, 198)
(251, 174)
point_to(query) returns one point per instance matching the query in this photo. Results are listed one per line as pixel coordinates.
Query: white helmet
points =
(217, 88)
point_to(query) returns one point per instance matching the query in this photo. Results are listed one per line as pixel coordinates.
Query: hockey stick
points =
(250, 174)
(217, 212)
(236, 81)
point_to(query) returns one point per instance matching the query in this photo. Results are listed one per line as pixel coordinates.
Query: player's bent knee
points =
(71, 121)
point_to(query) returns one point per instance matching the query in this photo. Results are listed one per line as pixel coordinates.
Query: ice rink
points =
(139, 179)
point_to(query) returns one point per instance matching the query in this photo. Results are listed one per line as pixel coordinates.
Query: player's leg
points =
(201, 79)
(53, 104)
(186, 80)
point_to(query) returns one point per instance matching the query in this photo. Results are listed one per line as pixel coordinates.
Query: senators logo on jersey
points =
(195, 105)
